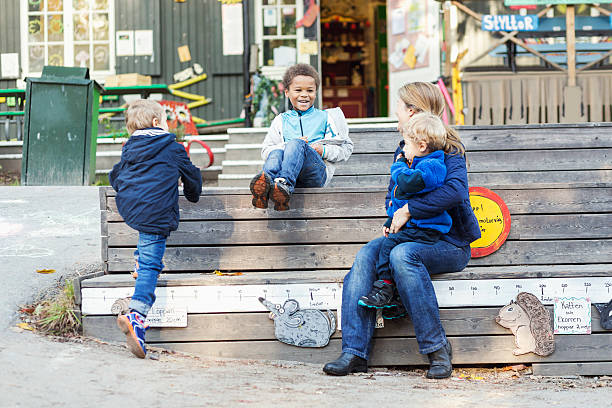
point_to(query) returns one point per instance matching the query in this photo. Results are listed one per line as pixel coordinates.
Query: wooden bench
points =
(555, 179)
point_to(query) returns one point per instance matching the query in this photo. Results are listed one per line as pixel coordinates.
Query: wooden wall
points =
(503, 99)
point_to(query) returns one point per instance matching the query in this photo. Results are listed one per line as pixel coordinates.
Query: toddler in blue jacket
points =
(146, 181)
(420, 169)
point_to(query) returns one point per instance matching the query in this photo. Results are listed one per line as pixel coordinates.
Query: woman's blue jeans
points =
(298, 163)
(149, 255)
(411, 265)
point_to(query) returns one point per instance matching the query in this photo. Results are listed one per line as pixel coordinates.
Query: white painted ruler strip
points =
(499, 292)
(451, 293)
(217, 299)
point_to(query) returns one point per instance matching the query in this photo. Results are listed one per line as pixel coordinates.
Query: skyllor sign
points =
(510, 22)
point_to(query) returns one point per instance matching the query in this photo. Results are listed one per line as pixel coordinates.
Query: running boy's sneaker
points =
(280, 194)
(133, 326)
(260, 188)
(380, 296)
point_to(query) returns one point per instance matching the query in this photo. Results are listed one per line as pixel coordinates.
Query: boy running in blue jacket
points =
(420, 169)
(302, 145)
(146, 182)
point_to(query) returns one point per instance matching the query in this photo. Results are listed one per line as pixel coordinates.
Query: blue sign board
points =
(512, 22)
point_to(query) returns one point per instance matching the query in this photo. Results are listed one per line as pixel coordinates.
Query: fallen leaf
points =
(517, 367)
(219, 273)
(28, 310)
(470, 377)
(25, 326)
(45, 270)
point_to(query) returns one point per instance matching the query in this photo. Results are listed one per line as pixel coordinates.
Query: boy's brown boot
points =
(260, 188)
(281, 195)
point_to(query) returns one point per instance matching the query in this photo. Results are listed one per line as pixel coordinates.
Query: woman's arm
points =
(449, 195)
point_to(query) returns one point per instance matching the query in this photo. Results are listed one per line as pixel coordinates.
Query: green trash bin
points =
(60, 129)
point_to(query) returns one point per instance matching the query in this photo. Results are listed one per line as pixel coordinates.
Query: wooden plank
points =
(261, 231)
(333, 256)
(238, 206)
(469, 89)
(570, 35)
(404, 351)
(486, 138)
(322, 276)
(549, 252)
(500, 138)
(258, 326)
(497, 161)
(541, 179)
(503, 180)
(102, 191)
(516, 114)
(350, 230)
(572, 369)
(497, 91)
(594, 98)
(483, 114)
(551, 91)
(533, 100)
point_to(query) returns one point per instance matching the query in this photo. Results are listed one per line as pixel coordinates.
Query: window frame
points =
(68, 41)
(275, 72)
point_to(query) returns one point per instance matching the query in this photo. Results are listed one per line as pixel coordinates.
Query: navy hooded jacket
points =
(452, 197)
(146, 181)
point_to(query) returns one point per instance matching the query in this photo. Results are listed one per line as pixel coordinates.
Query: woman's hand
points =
(400, 218)
(385, 230)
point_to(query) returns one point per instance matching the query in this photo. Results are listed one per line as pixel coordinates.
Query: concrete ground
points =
(58, 228)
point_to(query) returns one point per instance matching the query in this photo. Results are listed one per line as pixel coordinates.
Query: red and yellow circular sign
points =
(494, 220)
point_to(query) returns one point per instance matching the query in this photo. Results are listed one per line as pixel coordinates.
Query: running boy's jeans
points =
(150, 252)
(299, 164)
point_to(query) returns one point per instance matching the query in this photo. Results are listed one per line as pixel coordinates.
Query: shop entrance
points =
(354, 57)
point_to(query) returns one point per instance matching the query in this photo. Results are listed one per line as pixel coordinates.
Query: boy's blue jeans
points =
(406, 234)
(150, 252)
(299, 164)
(411, 265)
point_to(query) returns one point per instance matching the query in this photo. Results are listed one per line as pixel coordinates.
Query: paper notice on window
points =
(269, 17)
(9, 65)
(309, 47)
(143, 42)
(398, 22)
(125, 43)
(231, 27)
(284, 56)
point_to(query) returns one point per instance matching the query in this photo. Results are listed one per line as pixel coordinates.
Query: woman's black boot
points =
(345, 364)
(440, 362)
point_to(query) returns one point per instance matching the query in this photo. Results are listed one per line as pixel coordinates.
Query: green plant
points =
(102, 180)
(268, 99)
(179, 132)
(58, 316)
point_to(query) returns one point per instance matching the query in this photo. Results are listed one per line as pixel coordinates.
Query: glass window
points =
(68, 32)
(277, 29)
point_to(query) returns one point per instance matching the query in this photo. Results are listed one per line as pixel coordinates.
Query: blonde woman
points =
(412, 263)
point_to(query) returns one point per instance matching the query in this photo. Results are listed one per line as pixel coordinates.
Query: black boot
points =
(440, 363)
(345, 364)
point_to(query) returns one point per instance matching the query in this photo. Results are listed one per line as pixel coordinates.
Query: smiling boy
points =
(302, 144)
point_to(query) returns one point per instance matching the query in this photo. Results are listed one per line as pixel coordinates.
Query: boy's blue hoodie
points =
(424, 174)
(146, 181)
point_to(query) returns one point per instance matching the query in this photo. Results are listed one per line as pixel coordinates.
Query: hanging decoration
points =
(310, 15)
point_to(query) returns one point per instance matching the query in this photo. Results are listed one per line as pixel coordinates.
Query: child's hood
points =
(145, 144)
